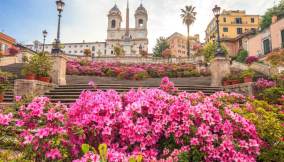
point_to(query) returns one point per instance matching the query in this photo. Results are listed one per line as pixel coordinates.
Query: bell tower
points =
(141, 18)
(114, 18)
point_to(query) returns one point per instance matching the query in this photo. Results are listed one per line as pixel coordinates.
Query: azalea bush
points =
(132, 71)
(149, 123)
(251, 59)
(268, 120)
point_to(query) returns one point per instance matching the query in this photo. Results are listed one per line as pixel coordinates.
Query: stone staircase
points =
(69, 93)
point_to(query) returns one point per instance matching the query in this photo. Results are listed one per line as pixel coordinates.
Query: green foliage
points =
(194, 155)
(267, 17)
(118, 51)
(247, 73)
(209, 50)
(242, 55)
(85, 148)
(161, 45)
(39, 64)
(268, 121)
(273, 95)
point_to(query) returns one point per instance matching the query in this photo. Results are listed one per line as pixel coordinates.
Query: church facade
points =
(131, 40)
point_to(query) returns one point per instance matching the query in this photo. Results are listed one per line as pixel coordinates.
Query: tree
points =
(188, 18)
(118, 51)
(161, 45)
(209, 50)
(274, 11)
(87, 52)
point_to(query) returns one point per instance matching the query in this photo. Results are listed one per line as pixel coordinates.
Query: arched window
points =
(141, 22)
(113, 24)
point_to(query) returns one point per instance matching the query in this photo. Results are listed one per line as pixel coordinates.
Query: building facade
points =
(232, 23)
(132, 40)
(98, 48)
(267, 40)
(178, 44)
(6, 42)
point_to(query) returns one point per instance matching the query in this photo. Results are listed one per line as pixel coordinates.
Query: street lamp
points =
(219, 52)
(60, 6)
(44, 33)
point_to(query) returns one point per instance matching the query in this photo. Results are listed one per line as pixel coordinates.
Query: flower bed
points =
(132, 71)
(151, 124)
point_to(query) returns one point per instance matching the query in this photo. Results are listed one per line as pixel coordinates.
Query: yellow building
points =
(178, 44)
(232, 24)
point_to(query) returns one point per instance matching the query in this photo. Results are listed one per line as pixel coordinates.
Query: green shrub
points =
(242, 55)
(272, 95)
(268, 121)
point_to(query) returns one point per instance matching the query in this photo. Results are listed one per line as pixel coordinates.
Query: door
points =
(282, 37)
(266, 46)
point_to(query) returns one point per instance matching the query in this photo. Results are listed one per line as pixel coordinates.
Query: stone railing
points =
(130, 60)
(24, 87)
(258, 67)
(246, 89)
(8, 60)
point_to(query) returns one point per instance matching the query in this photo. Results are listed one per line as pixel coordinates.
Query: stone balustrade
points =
(23, 87)
(246, 89)
(131, 60)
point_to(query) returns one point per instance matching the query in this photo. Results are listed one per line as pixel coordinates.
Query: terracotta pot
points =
(30, 76)
(1, 98)
(226, 83)
(44, 79)
(235, 82)
(247, 79)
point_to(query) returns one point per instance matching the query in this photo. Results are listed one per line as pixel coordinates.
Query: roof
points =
(7, 38)
(177, 34)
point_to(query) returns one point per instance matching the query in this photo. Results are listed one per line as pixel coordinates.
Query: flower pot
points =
(235, 82)
(44, 79)
(30, 76)
(1, 98)
(247, 79)
(226, 83)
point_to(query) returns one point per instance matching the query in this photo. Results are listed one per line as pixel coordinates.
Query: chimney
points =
(274, 19)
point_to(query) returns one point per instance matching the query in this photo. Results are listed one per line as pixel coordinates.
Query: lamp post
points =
(219, 52)
(44, 33)
(60, 5)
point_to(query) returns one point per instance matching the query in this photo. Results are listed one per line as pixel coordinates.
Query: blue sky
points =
(87, 19)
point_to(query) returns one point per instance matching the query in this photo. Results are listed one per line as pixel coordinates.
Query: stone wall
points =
(131, 60)
(24, 87)
(246, 89)
(8, 60)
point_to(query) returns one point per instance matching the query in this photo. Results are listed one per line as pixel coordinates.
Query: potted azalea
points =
(43, 68)
(226, 81)
(247, 75)
(29, 72)
(234, 79)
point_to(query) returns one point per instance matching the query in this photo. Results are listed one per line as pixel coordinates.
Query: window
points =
(93, 48)
(239, 30)
(81, 51)
(75, 51)
(238, 20)
(87, 45)
(252, 20)
(224, 19)
(113, 24)
(266, 46)
(225, 29)
(140, 22)
(282, 37)
(75, 46)
(81, 46)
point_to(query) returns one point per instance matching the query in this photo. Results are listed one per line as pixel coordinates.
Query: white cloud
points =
(87, 19)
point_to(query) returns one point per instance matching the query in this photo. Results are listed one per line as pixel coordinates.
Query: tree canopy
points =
(161, 45)
(209, 50)
(277, 10)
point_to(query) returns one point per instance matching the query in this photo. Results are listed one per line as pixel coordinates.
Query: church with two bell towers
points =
(132, 40)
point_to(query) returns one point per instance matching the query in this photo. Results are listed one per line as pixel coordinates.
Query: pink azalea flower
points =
(53, 154)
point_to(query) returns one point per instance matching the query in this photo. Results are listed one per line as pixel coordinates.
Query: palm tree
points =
(188, 18)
